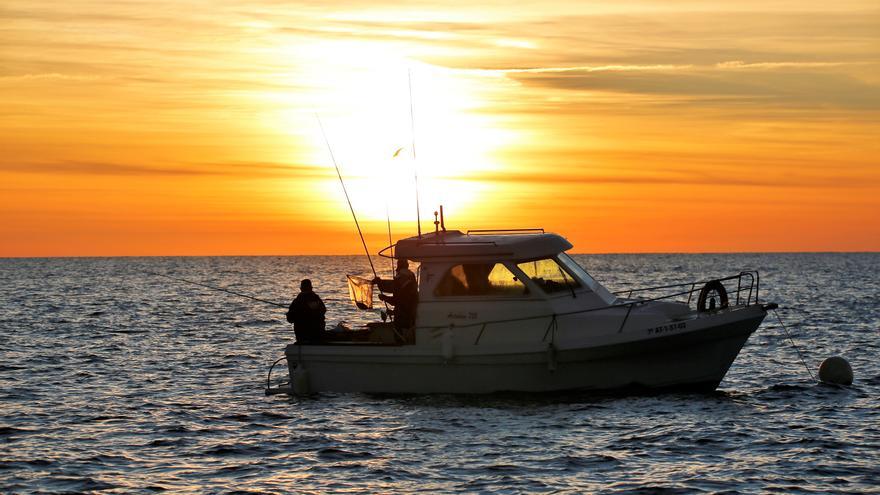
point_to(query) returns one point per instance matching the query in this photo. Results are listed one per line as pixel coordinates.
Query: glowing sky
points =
(190, 127)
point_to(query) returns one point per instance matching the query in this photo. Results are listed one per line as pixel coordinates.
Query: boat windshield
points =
(586, 278)
(548, 274)
(480, 279)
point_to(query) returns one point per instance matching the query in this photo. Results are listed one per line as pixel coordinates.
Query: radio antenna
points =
(412, 122)
(344, 190)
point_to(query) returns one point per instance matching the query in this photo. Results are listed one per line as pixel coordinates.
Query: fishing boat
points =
(510, 311)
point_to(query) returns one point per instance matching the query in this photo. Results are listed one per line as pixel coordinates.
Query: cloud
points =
(25, 78)
(594, 68)
(732, 64)
(739, 64)
(654, 178)
(231, 169)
(659, 34)
(796, 85)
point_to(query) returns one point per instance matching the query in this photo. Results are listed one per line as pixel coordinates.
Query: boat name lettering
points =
(666, 328)
(462, 316)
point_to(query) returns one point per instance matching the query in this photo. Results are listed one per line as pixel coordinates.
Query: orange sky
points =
(178, 128)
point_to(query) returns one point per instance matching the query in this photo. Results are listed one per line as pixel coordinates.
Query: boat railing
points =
(281, 388)
(749, 289)
(746, 292)
(504, 231)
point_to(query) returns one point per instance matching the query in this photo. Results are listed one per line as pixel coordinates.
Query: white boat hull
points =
(684, 354)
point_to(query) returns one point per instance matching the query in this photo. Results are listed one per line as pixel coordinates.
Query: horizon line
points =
(609, 253)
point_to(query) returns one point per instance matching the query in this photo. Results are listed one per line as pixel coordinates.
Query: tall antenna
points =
(412, 122)
(344, 190)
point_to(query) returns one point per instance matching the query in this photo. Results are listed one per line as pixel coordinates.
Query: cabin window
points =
(549, 275)
(480, 279)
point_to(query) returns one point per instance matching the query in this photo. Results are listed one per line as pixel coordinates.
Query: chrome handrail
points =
(752, 287)
(269, 375)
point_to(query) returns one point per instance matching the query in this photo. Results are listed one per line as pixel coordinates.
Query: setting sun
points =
(382, 139)
(629, 128)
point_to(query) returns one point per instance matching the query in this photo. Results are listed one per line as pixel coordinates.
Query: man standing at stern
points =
(307, 315)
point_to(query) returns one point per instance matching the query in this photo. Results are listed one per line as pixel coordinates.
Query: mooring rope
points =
(800, 355)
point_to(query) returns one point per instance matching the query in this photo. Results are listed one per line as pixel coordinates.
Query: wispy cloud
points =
(808, 85)
(731, 64)
(739, 64)
(16, 78)
(652, 178)
(594, 68)
(230, 169)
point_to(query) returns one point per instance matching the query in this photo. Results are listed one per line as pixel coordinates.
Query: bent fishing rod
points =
(221, 289)
(350, 207)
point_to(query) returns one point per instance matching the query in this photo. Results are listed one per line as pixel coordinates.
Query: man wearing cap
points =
(405, 298)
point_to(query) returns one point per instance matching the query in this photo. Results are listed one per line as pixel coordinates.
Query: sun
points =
(389, 120)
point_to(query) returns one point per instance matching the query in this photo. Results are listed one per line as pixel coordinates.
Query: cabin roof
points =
(454, 245)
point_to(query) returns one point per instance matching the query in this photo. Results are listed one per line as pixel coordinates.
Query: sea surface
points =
(115, 380)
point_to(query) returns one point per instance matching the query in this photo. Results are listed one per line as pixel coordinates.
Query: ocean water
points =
(113, 380)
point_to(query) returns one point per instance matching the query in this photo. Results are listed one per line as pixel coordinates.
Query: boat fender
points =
(718, 288)
(447, 347)
(300, 383)
(836, 371)
(551, 357)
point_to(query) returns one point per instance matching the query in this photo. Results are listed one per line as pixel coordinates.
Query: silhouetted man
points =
(404, 298)
(307, 314)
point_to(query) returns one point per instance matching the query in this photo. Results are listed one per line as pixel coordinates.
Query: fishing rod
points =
(344, 190)
(221, 289)
(350, 207)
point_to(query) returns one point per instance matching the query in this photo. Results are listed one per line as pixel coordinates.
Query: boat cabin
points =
(486, 275)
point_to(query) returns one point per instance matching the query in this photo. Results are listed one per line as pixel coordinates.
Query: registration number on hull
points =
(672, 327)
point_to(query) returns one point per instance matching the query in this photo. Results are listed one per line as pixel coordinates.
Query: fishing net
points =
(360, 290)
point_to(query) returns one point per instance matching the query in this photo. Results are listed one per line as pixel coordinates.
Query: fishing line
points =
(221, 289)
(344, 190)
(795, 345)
